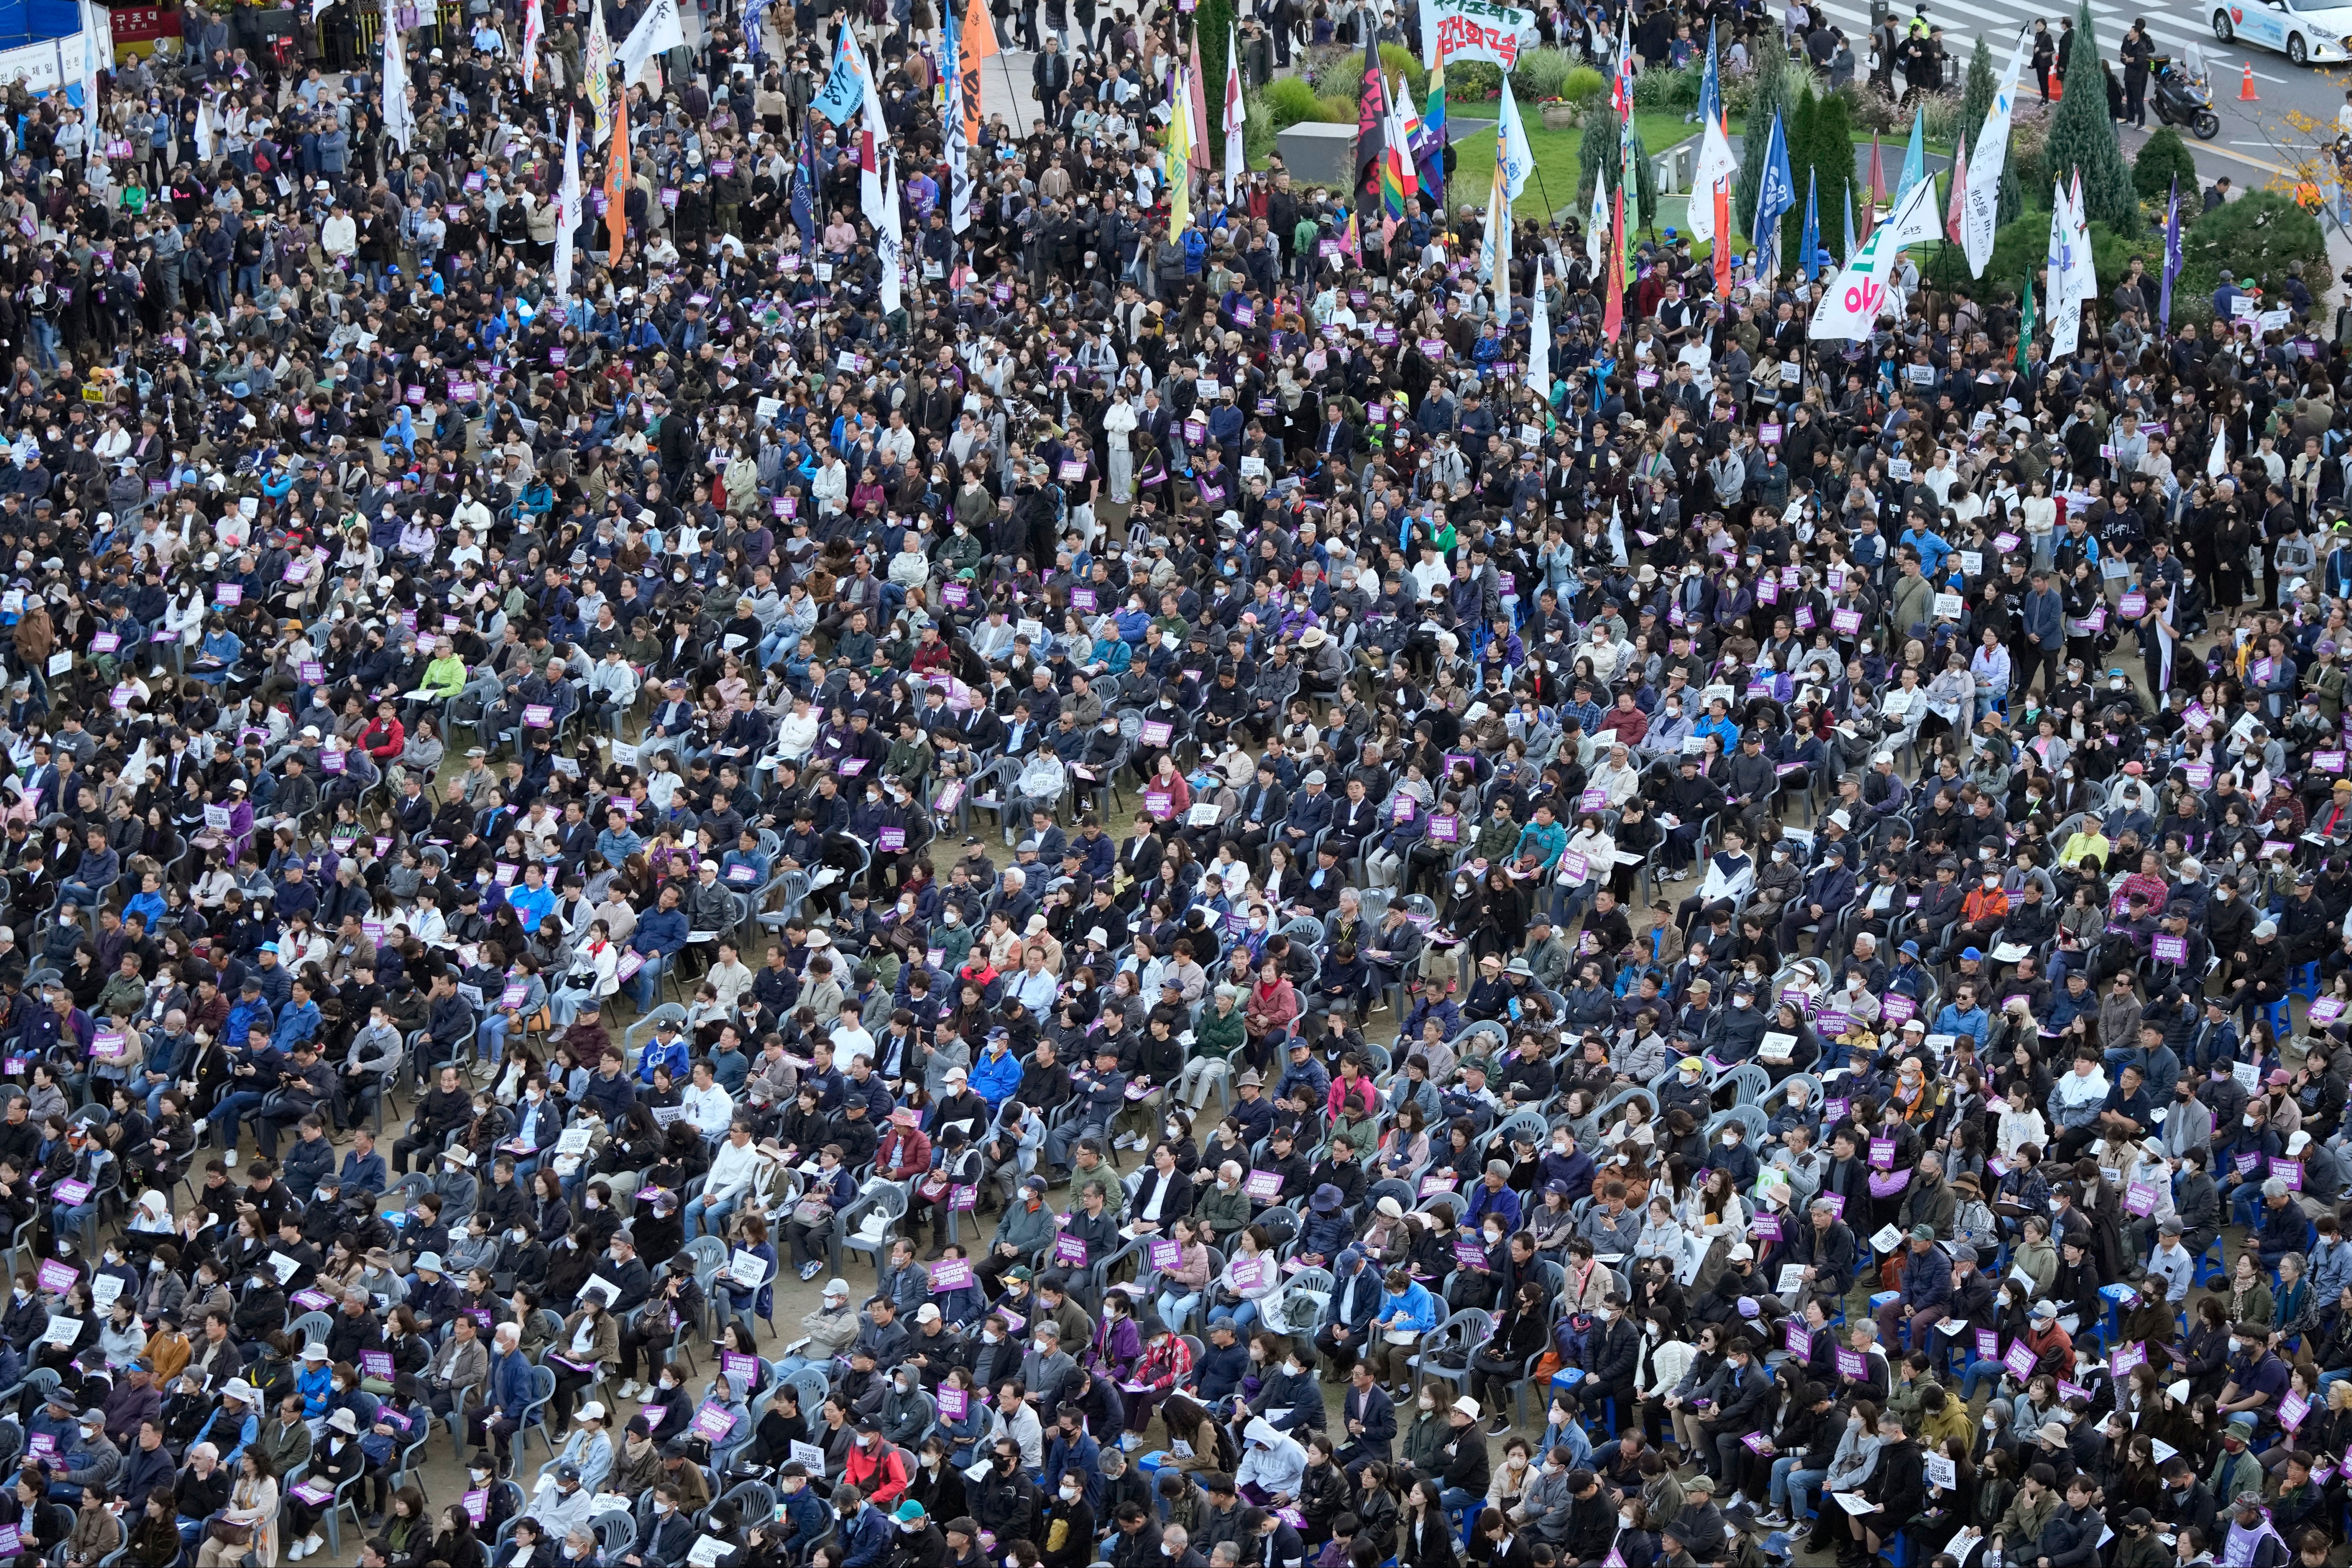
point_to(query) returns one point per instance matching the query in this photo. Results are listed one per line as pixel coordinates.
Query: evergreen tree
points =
(1598, 157)
(1212, 19)
(1777, 81)
(2082, 137)
(1821, 146)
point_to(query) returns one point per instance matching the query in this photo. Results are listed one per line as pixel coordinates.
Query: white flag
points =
(1715, 165)
(1514, 154)
(1981, 214)
(567, 212)
(890, 244)
(1851, 304)
(2081, 275)
(2066, 305)
(1236, 115)
(399, 121)
(1539, 339)
(958, 183)
(1597, 227)
(656, 30)
(2217, 462)
(1495, 251)
(595, 74)
(534, 27)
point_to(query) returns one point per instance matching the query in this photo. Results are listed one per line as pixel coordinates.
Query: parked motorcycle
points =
(2183, 96)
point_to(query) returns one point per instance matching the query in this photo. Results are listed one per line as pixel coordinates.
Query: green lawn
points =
(1555, 159)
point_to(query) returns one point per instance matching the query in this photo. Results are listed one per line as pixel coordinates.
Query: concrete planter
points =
(1560, 116)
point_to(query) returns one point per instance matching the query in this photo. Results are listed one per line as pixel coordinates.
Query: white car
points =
(2302, 32)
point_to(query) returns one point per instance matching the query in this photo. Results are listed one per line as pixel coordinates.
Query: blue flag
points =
(1847, 202)
(1775, 196)
(1914, 158)
(1809, 249)
(1710, 90)
(805, 185)
(754, 12)
(2171, 255)
(845, 87)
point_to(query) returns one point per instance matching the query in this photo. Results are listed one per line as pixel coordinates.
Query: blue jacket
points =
(663, 932)
(363, 1174)
(510, 1382)
(1413, 1309)
(995, 1077)
(655, 1055)
(864, 1539)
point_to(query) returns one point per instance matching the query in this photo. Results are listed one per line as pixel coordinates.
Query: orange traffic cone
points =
(2246, 93)
(2057, 86)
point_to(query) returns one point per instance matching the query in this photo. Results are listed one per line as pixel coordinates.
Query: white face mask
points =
(1043, 1347)
(1069, 1494)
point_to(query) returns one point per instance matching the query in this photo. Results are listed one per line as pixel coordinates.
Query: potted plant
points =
(1560, 114)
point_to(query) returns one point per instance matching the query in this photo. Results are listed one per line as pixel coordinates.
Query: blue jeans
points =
(1177, 1311)
(84, 896)
(1790, 1485)
(777, 644)
(69, 1221)
(1979, 1371)
(492, 1032)
(226, 1114)
(710, 1221)
(646, 984)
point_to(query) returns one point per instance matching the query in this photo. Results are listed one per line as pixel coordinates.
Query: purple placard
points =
(1882, 1153)
(1796, 1339)
(1988, 1344)
(377, 1364)
(954, 1402)
(713, 1421)
(56, 1279)
(1765, 1226)
(891, 840)
(1167, 1254)
(2170, 949)
(1068, 1248)
(1851, 1364)
(1446, 829)
(1469, 1254)
(950, 1274)
(2019, 1361)
(1263, 1185)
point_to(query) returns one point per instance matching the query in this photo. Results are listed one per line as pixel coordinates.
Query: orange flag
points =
(616, 178)
(975, 41)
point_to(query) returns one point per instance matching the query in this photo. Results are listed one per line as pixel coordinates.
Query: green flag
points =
(2025, 327)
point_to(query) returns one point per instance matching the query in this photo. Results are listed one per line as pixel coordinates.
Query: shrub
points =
(1467, 81)
(1583, 86)
(1542, 74)
(1670, 92)
(1259, 130)
(1942, 113)
(1399, 61)
(2021, 250)
(2254, 237)
(1336, 109)
(2163, 159)
(1287, 100)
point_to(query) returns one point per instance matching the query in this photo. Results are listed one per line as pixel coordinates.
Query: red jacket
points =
(879, 1479)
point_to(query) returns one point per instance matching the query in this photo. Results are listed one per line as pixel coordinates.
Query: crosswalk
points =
(2174, 25)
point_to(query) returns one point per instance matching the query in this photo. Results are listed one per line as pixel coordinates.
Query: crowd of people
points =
(1767, 923)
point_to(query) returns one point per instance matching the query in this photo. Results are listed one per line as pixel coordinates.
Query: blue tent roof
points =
(26, 22)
